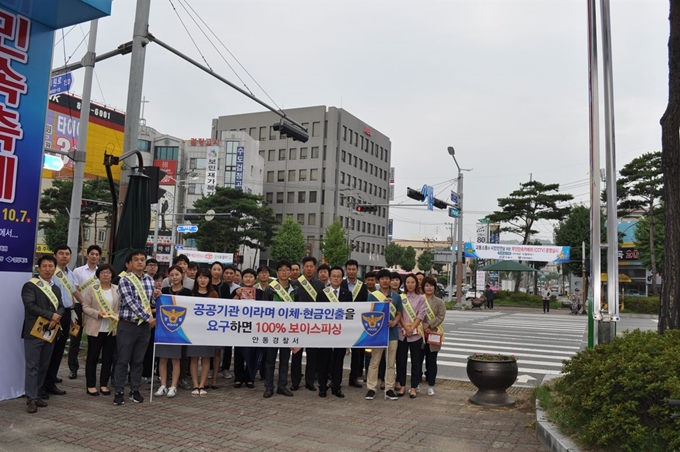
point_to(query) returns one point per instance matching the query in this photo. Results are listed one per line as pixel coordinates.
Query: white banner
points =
(247, 323)
(211, 169)
(205, 257)
(517, 252)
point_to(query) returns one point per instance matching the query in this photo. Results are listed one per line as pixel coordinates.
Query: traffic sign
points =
(454, 212)
(179, 247)
(61, 84)
(53, 162)
(454, 197)
(187, 228)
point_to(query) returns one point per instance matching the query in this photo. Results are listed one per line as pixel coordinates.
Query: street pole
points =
(173, 230)
(595, 190)
(79, 160)
(453, 262)
(459, 268)
(612, 220)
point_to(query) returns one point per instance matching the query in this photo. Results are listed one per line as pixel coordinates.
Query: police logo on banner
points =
(173, 317)
(372, 322)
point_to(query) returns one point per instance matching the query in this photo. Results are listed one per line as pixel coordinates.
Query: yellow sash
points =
(104, 306)
(431, 315)
(140, 293)
(381, 297)
(308, 287)
(356, 289)
(280, 291)
(47, 290)
(122, 274)
(330, 293)
(411, 312)
(64, 282)
(88, 283)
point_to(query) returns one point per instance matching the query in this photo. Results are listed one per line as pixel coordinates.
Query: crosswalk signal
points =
(288, 129)
(415, 194)
(366, 208)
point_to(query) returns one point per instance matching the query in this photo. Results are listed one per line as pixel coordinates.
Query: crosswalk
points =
(540, 342)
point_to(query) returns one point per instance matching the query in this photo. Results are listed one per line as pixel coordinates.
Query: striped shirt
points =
(131, 307)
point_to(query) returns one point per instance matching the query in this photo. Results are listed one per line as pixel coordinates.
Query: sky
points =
(503, 82)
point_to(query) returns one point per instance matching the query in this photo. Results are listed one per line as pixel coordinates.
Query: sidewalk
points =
(242, 420)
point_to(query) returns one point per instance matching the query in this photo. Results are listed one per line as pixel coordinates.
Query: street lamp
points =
(459, 267)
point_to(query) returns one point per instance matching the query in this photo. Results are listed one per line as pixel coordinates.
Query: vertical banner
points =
(482, 237)
(240, 157)
(494, 237)
(25, 56)
(211, 170)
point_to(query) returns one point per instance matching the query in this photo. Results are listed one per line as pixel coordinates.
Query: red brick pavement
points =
(231, 419)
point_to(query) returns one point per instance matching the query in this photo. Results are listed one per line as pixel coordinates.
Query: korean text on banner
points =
(197, 321)
(517, 252)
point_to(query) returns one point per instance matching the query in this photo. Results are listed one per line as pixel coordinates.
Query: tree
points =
(250, 222)
(534, 201)
(393, 254)
(426, 261)
(334, 247)
(640, 188)
(572, 232)
(288, 242)
(669, 303)
(55, 201)
(437, 267)
(642, 232)
(537, 265)
(408, 259)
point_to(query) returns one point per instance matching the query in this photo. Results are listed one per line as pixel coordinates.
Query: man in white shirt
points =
(545, 295)
(84, 278)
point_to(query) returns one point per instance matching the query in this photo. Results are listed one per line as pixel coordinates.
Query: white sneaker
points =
(418, 388)
(161, 391)
(430, 391)
(227, 375)
(172, 392)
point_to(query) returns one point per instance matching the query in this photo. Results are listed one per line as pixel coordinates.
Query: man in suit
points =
(41, 298)
(308, 287)
(280, 290)
(359, 292)
(332, 359)
(227, 290)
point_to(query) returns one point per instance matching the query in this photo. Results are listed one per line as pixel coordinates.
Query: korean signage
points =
(218, 322)
(517, 252)
(240, 157)
(170, 169)
(367, 131)
(25, 55)
(208, 257)
(629, 254)
(61, 83)
(211, 170)
(204, 142)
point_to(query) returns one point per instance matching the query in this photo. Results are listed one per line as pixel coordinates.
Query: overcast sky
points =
(503, 82)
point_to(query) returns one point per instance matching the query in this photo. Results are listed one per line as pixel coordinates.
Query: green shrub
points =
(613, 396)
(641, 305)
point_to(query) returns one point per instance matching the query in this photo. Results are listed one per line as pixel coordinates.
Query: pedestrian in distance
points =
(488, 294)
(545, 296)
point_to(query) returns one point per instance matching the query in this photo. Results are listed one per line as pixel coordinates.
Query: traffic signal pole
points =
(459, 256)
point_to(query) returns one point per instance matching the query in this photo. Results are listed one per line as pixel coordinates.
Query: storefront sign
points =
(211, 170)
(240, 157)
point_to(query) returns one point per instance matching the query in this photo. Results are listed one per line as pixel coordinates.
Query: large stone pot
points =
(477, 302)
(492, 378)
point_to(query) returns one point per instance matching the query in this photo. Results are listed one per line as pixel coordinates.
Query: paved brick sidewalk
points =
(242, 420)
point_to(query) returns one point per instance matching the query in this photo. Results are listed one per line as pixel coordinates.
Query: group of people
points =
(118, 314)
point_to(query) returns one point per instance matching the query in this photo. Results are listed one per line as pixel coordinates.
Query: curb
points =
(548, 434)
(630, 315)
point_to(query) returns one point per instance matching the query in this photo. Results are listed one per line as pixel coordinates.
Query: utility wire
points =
(190, 37)
(63, 35)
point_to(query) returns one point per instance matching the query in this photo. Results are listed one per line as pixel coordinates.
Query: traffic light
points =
(439, 204)
(155, 177)
(366, 208)
(288, 129)
(415, 194)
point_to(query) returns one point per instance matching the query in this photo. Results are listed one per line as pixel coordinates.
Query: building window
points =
(279, 218)
(262, 153)
(342, 177)
(292, 154)
(253, 133)
(356, 139)
(311, 219)
(272, 155)
(344, 133)
(344, 156)
(362, 142)
(301, 196)
(197, 163)
(351, 137)
(313, 174)
(305, 125)
(282, 154)
(263, 133)
(361, 164)
(144, 145)
(291, 175)
(196, 189)
(101, 235)
(324, 152)
(291, 197)
(323, 175)
(303, 175)
(272, 133)
(270, 176)
(166, 152)
(279, 197)
(303, 153)
(269, 197)
(312, 196)
(315, 152)
(316, 128)
(323, 197)
(281, 176)
(301, 218)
